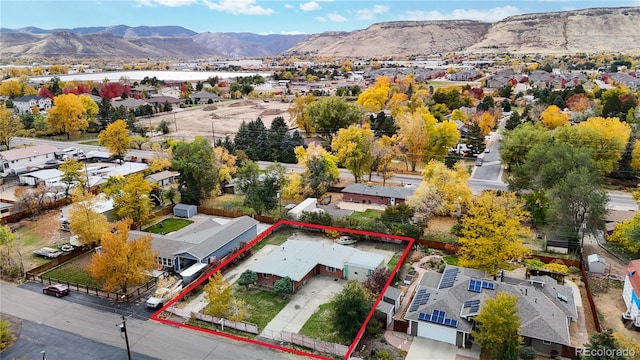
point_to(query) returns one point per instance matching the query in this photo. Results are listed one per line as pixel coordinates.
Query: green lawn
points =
(451, 260)
(262, 305)
(168, 225)
(367, 215)
(394, 261)
(74, 272)
(277, 238)
(234, 202)
(320, 325)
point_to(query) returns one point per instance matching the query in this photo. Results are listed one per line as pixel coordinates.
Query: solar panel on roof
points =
(475, 285)
(454, 323)
(422, 291)
(488, 285)
(474, 308)
(470, 303)
(413, 307)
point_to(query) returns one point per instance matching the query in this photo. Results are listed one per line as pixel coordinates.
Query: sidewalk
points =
(398, 339)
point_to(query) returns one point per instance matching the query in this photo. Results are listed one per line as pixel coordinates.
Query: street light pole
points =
(123, 329)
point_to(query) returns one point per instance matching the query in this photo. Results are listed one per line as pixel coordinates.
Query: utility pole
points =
(175, 121)
(123, 329)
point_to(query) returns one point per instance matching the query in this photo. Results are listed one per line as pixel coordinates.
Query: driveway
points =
(440, 351)
(317, 291)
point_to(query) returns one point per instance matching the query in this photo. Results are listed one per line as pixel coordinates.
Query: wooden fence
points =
(79, 251)
(314, 344)
(592, 304)
(14, 217)
(238, 325)
(233, 214)
(117, 296)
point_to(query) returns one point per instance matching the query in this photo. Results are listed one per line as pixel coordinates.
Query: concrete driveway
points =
(437, 350)
(317, 291)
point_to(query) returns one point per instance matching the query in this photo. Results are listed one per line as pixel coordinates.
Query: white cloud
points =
(310, 6)
(369, 14)
(237, 7)
(489, 15)
(336, 17)
(321, 19)
(170, 3)
(288, 6)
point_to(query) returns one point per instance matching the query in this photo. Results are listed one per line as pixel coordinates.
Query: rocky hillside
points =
(570, 32)
(581, 31)
(396, 39)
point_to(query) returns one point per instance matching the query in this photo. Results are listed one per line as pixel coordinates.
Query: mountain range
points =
(598, 30)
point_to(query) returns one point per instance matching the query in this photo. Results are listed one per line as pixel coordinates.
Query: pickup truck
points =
(163, 294)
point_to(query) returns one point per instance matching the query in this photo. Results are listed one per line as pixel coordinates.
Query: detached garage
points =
(184, 210)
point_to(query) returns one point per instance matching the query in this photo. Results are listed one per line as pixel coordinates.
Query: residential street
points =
(151, 339)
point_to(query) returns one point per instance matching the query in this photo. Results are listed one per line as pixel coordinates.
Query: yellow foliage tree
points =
(90, 108)
(122, 262)
(625, 342)
(353, 147)
(384, 151)
(606, 137)
(299, 117)
(86, 223)
(218, 294)
(440, 138)
(320, 170)
(493, 232)
(498, 324)
(225, 162)
(486, 121)
(116, 138)
(452, 184)
(553, 117)
(412, 135)
(374, 98)
(635, 156)
(68, 115)
(626, 234)
(133, 201)
(10, 126)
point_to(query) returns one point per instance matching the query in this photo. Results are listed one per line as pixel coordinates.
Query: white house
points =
(25, 104)
(597, 264)
(631, 293)
(26, 158)
(48, 177)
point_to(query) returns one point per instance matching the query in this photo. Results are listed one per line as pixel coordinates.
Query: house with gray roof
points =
(26, 104)
(375, 194)
(201, 242)
(302, 259)
(204, 97)
(445, 312)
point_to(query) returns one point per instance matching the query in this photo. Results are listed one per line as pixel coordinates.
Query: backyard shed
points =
(597, 264)
(185, 210)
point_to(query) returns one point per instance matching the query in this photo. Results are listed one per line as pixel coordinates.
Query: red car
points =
(56, 289)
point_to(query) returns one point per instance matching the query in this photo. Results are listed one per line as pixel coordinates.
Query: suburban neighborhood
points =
(453, 205)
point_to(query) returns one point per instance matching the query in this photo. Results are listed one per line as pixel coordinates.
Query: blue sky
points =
(269, 16)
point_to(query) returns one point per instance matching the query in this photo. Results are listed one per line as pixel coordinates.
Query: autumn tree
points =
(116, 138)
(84, 221)
(330, 114)
(220, 300)
(198, 175)
(606, 137)
(10, 126)
(260, 193)
(492, 232)
(138, 141)
(122, 262)
(90, 108)
(68, 115)
(412, 135)
(298, 116)
(10, 255)
(350, 308)
(498, 326)
(440, 138)
(384, 152)
(451, 183)
(353, 147)
(553, 117)
(485, 121)
(132, 200)
(320, 170)
(374, 98)
(72, 174)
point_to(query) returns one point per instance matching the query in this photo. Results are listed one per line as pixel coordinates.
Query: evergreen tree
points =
(513, 121)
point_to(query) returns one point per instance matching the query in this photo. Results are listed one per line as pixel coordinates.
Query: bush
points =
(527, 353)
(5, 334)
(534, 263)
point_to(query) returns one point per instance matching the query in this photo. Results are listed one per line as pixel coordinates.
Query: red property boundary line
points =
(256, 240)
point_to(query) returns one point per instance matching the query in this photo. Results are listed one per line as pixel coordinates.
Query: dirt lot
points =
(608, 299)
(36, 232)
(222, 118)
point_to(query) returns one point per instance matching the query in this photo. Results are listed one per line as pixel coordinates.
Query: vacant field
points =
(320, 325)
(262, 305)
(36, 232)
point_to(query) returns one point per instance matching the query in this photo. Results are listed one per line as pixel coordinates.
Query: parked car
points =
(487, 150)
(479, 162)
(56, 289)
(346, 240)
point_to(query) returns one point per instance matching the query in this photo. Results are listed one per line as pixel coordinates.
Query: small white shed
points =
(597, 264)
(185, 210)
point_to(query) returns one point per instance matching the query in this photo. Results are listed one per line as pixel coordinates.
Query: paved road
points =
(151, 339)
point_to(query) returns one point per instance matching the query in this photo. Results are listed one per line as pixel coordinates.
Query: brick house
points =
(375, 194)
